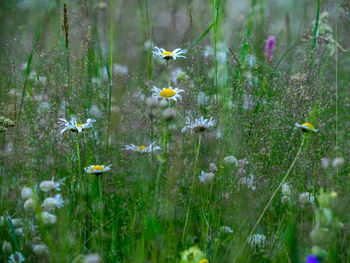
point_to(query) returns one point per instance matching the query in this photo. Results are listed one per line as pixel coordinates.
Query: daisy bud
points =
(230, 160)
(47, 186)
(26, 193)
(213, 168)
(48, 218)
(40, 249)
(92, 258)
(29, 205)
(338, 162)
(6, 247)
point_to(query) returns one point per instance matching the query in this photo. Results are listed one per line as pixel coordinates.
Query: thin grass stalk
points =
(110, 77)
(99, 208)
(314, 40)
(79, 161)
(192, 185)
(168, 72)
(270, 200)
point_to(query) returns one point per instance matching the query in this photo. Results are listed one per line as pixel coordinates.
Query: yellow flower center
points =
(167, 93)
(141, 147)
(309, 125)
(79, 125)
(204, 260)
(96, 167)
(167, 53)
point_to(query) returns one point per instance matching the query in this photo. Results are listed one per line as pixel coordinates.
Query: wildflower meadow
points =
(189, 131)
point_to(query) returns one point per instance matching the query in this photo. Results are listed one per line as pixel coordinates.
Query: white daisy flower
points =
(226, 230)
(16, 257)
(142, 148)
(51, 203)
(167, 93)
(206, 177)
(198, 125)
(26, 193)
(305, 127)
(286, 189)
(40, 249)
(162, 53)
(97, 169)
(47, 186)
(74, 126)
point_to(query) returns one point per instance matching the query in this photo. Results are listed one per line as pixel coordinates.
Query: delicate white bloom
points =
(29, 205)
(230, 160)
(338, 162)
(285, 199)
(48, 218)
(51, 203)
(257, 241)
(40, 249)
(286, 189)
(120, 69)
(47, 186)
(19, 232)
(206, 177)
(198, 125)
(167, 93)
(97, 169)
(306, 127)
(17, 222)
(26, 193)
(213, 168)
(6, 247)
(162, 53)
(92, 258)
(248, 181)
(324, 162)
(307, 198)
(141, 148)
(16, 257)
(74, 126)
(226, 230)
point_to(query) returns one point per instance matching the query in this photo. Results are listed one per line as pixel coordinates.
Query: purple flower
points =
(270, 47)
(311, 259)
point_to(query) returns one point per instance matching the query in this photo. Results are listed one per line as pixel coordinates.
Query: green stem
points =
(79, 163)
(314, 40)
(192, 183)
(271, 198)
(168, 70)
(100, 207)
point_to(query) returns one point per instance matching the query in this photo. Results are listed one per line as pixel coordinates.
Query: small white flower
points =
(40, 249)
(257, 241)
(47, 186)
(307, 198)
(305, 127)
(29, 205)
(19, 232)
(338, 162)
(92, 258)
(142, 148)
(6, 247)
(248, 181)
(26, 193)
(74, 126)
(230, 160)
(97, 169)
(213, 168)
(206, 177)
(48, 218)
(162, 53)
(226, 230)
(51, 203)
(16, 257)
(17, 222)
(286, 189)
(167, 93)
(198, 125)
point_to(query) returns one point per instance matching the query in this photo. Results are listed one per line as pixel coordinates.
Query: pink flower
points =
(270, 47)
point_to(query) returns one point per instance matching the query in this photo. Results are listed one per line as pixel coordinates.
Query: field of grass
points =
(245, 184)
